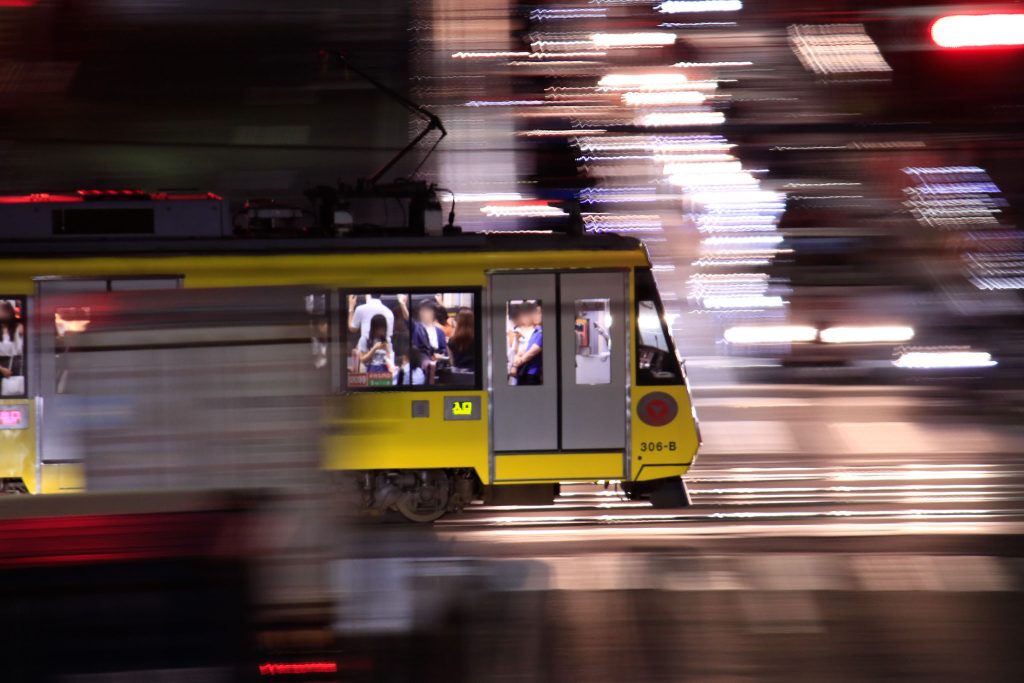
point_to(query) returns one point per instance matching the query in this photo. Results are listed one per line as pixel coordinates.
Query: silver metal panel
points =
(144, 283)
(524, 418)
(593, 414)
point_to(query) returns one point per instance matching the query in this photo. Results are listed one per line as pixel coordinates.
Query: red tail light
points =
(978, 30)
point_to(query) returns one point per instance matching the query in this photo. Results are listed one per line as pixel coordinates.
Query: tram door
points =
(64, 312)
(558, 355)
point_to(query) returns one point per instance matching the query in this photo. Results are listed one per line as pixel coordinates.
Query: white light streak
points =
(658, 99)
(569, 132)
(487, 196)
(718, 302)
(522, 211)
(692, 118)
(867, 334)
(770, 334)
(504, 103)
(697, 65)
(488, 55)
(933, 360)
(694, 6)
(836, 49)
(644, 81)
(745, 240)
(638, 39)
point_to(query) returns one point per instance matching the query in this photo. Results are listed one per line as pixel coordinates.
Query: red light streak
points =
(978, 30)
(41, 197)
(297, 668)
(81, 195)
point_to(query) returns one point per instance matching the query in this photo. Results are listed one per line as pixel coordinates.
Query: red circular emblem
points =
(657, 409)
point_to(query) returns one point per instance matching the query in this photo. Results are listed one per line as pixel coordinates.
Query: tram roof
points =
(495, 242)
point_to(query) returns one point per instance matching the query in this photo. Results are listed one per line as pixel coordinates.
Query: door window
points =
(592, 325)
(524, 348)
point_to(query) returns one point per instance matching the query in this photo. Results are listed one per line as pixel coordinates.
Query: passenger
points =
(319, 340)
(444, 321)
(409, 371)
(359, 316)
(428, 339)
(403, 306)
(528, 363)
(375, 350)
(463, 342)
(12, 348)
(518, 335)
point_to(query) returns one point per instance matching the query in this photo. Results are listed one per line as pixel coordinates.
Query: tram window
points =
(593, 341)
(412, 339)
(524, 330)
(655, 358)
(319, 328)
(12, 347)
(69, 323)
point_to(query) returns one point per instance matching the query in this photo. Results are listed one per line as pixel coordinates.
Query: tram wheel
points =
(428, 500)
(669, 493)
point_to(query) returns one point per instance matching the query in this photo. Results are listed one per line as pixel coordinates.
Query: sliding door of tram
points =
(65, 311)
(558, 375)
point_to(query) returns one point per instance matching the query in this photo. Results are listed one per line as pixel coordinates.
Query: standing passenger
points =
(375, 349)
(359, 316)
(528, 363)
(428, 339)
(463, 342)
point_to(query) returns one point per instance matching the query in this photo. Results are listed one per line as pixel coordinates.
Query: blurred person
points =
(408, 371)
(375, 350)
(12, 348)
(445, 321)
(518, 333)
(359, 316)
(463, 342)
(428, 338)
(319, 341)
(527, 364)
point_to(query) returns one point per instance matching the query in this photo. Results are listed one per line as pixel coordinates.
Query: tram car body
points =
(454, 367)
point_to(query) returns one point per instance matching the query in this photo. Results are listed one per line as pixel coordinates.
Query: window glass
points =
(649, 321)
(524, 331)
(593, 341)
(655, 358)
(319, 329)
(12, 347)
(69, 323)
(411, 339)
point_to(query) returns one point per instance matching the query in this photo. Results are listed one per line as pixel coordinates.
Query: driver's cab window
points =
(656, 359)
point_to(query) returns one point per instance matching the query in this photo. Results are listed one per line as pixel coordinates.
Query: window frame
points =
(345, 350)
(645, 288)
(26, 344)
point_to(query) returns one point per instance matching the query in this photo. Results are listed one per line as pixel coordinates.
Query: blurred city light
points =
(770, 334)
(978, 30)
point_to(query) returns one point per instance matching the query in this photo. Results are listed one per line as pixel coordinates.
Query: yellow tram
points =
(470, 366)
